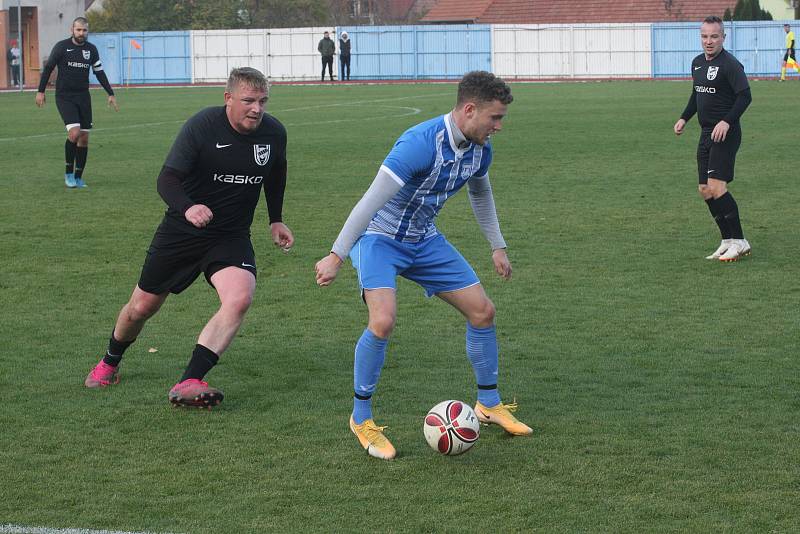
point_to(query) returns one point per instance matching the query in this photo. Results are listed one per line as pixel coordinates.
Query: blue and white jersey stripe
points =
(430, 169)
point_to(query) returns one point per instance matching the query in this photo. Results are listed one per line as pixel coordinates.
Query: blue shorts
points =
(433, 263)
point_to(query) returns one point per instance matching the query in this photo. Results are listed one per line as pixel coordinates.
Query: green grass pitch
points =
(662, 388)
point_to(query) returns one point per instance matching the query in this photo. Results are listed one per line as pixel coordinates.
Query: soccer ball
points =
(451, 427)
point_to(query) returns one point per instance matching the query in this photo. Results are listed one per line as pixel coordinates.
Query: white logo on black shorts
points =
(712, 72)
(86, 54)
(261, 153)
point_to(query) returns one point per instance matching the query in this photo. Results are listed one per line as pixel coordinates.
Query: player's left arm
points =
(741, 88)
(274, 188)
(482, 201)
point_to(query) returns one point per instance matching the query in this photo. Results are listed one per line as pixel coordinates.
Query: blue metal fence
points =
(418, 52)
(164, 57)
(758, 45)
(435, 52)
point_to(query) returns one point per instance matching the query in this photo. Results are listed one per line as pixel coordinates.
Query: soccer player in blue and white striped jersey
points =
(391, 232)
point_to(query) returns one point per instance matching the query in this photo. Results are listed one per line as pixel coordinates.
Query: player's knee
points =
(239, 304)
(141, 310)
(483, 316)
(74, 135)
(705, 191)
(382, 325)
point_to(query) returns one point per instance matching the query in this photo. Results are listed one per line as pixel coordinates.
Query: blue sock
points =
(482, 354)
(370, 353)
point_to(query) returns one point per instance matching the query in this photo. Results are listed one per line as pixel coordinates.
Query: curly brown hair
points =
(483, 87)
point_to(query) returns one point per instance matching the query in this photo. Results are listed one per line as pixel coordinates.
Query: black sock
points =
(81, 153)
(69, 155)
(115, 350)
(730, 211)
(724, 228)
(203, 359)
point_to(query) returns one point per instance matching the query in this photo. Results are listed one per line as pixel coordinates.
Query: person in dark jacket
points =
(344, 55)
(327, 48)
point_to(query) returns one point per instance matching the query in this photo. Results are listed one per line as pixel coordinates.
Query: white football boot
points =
(739, 248)
(723, 246)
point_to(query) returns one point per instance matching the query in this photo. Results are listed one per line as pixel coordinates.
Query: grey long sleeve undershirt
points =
(384, 187)
(482, 200)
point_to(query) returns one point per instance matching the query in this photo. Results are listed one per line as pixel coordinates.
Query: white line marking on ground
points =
(21, 529)
(414, 111)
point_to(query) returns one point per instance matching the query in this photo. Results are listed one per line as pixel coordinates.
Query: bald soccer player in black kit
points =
(211, 181)
(74, 57)
(720, 95)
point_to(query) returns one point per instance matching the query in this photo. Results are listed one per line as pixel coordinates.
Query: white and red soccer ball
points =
(451, 427)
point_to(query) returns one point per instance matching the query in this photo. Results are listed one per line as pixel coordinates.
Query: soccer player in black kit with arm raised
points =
(720, 95)
(74, 57)
(211, 181)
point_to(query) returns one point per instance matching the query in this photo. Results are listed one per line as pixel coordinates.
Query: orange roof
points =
(574, 11)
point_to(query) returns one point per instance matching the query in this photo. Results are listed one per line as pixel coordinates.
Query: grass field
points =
(662, 388)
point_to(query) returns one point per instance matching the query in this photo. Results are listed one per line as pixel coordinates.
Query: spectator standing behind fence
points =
(12, 56)
(344, 55)
(327, 48)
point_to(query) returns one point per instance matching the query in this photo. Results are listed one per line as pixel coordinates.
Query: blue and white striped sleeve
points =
(412, 155)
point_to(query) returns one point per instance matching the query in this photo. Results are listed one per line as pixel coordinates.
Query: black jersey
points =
(717, 82)
(73, 62)
(226, 170)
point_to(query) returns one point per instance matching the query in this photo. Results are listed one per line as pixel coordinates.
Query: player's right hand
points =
(199, 215)
(40, 99)
(678, 128)
(327, 268)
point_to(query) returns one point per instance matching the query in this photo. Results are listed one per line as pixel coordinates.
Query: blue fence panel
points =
(758, 45)
(164, 57)
(109, 46)
(418, 52)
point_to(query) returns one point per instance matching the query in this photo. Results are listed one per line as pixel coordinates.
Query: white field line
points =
(22, 529)
(411, 111)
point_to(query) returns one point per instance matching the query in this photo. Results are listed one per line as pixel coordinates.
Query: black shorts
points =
(174, 260)
(788, 54)
(75, 109)
(717, 160)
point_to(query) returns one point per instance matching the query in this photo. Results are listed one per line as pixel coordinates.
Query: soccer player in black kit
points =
(211, 181)
(74, 57)
(720, 95)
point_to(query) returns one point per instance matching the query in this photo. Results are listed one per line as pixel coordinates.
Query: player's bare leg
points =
(235, 288)
(130, 321)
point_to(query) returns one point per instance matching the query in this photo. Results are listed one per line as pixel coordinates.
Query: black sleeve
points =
(184, 151)
(743, 100)
(273, 191)
(691, 107)
(97, 68)
(103, 79)
(55, 55)
(170, 187)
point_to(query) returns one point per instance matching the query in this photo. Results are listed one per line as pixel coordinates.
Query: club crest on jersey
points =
(86, 54)
(261, 153)
(466, 171)
(712, 72)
